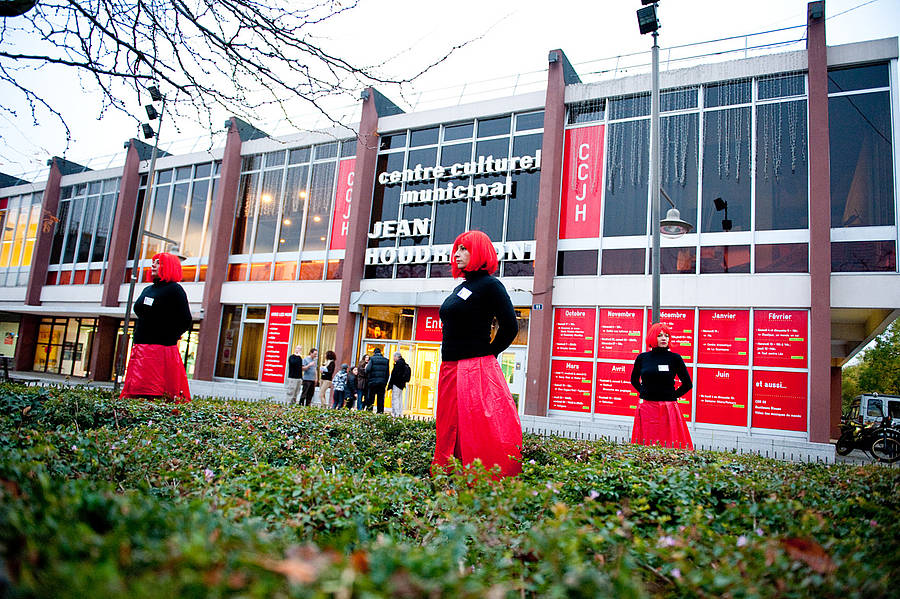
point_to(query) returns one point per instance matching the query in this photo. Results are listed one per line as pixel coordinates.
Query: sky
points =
(505, 40)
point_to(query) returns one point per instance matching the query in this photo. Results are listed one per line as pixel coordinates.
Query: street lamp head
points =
(647, 21)
(154, 93)
(148, 130)
(151, 112)
(672, 226)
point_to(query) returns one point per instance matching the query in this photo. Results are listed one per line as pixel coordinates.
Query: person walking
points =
(350, 389)
(658, 420)
(294, 375)
(362, 383)
(310, 377)
(377, 371)
(163, 315)
(328, 369)
(400, 375)
(476, 414)
(339, 385)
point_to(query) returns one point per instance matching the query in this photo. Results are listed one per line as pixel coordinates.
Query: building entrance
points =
(64, 346)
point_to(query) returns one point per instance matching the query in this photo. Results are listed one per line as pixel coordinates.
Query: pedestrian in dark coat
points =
(377, 371)
(400, 375)
(362, 383)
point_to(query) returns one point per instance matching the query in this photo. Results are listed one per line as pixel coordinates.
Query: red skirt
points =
(156, 371)
(477, 417)
(661, 423)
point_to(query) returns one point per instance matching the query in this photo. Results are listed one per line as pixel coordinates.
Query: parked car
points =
(872, 407)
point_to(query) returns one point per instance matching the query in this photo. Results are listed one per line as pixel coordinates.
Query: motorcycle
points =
(880, 442)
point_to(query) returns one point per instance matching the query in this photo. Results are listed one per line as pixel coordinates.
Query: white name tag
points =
(464, 293)
(148, 301)
(664, 368)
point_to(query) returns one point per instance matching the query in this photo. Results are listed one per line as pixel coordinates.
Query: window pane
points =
(203, 170)
(299, 155)
(275, 158)
(321, 191)
(518, 269)
(295, 195)
(194, 235)
(60, 232)
(867, 77)
(781, 86)
(326, 151)
(495, 126)
(526, 122)
(523, 202)
(679, 151)
(267, 222)
(578, 262)
(393, 140)
(862, 174)
(450, 217)
(228, 339)
(781, 166)
(591, 111)
(724, 258)
(631, 106)
(74, 225)
(423, 137)
(623, 262)
(246, 206)
(386, 198)
(726, 168)
(863, 256)
(678, 99)
(104, 222)
(782, 257)
(727, 93)
(463, 131)
(677, 260)
(627, 178)
(348, 148)
(163, 177)
(426, 157)
(487, 214)
(179, 207)
(157, 217)
(251, 345)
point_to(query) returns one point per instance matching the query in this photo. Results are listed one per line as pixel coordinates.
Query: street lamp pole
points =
(654, 177)
(136, 253)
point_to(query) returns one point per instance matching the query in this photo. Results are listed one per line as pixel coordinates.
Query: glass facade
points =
(20, 218)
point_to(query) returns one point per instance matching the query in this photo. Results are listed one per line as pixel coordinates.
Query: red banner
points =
(570, 386)
(722, 396)
(681, 323)
(620, 334)
(614, 394)
(724, 337)
(428, 325)
(779, 338)
(573, 332)
(582, 191)
(278, 335)
(685, 401)
(340, 221)
(779, 400)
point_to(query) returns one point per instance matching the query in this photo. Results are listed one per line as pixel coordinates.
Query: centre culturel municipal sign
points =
(421, 227)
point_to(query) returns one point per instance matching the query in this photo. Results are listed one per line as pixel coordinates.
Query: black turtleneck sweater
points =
(163, 314)
(654, 373)
(467, 315)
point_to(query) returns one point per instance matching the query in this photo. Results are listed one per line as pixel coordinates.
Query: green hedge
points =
(108, 498)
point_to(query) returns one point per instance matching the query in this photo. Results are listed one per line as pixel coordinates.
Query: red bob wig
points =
(169, 268)
(483, 256)
(653, 333)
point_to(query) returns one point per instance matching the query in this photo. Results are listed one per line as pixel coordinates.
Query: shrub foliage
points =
(107, 498)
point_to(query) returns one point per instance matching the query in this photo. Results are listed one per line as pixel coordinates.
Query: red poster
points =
(681, 323)
(579, 215)
(573, 332)
(685, 401)
(570, 386)
(724, 337)
(620, 335)
(779, 400)
(779, 338)
(722, 396)
(340, 222)
(614, 394)
(428, 325)
(278, 334)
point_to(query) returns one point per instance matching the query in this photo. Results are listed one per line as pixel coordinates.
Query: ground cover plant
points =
(108, 498)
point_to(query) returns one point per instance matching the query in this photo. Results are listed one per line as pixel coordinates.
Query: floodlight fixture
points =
(154, 93)
(646, 2)
(148, 130)
(720, 206)
(647, 21)
(151, 112)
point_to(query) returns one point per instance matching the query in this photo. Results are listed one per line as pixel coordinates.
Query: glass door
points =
(512, 363)
(422, 394)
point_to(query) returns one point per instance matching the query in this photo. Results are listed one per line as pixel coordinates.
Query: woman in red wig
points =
(476, 414)
(658, 420)
(155, 368)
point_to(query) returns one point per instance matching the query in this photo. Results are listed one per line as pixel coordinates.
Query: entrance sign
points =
(681, 323)
(573, 332)
(722, 396)
(341, 219)
(724, 337)
(614, 394)
(779, 400)
(779, 338)
(428, 325)
(582, 183)
(620, 333)
(278, 334)
(570, 386)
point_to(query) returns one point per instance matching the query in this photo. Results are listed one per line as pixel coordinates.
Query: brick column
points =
(374, 105)
(219, 250)
(546, 236)
(820, 388)
(40, 258)
(123, 225)
(27, 342)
